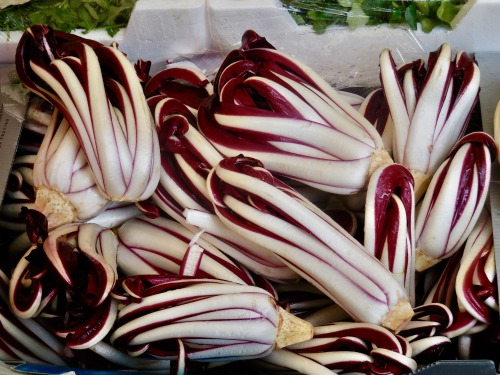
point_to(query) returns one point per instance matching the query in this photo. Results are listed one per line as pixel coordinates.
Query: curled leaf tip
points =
(36, 224)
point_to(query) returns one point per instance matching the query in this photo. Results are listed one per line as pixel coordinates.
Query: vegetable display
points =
(308, 241)
(98, 92)
(429, 107)
(61, 166)
(258, 220)
(67, 276)
(320, 14)
(244, 321)
(272, 107)
(465, 183)
(68, 15)
(390, 221)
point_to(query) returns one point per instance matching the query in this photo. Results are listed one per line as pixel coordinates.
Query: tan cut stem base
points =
(55, 206)
(422, 181)
(291, 329)
(398, 316)
(423, 261)
(379, 157)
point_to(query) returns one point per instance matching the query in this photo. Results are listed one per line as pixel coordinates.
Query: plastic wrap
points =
(427, 15)
(68, 15)
(345, 56)
(167, 30)
(342, 56)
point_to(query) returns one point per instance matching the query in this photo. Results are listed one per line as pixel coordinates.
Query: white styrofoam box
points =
(158, 30)
(8, 44)
(161, 30)
(344, 56)
(164, 30)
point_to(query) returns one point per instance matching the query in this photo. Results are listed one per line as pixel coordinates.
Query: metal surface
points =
(475, 367)
(10, 130)
(41, 369)
(489, 96)
(11, 121)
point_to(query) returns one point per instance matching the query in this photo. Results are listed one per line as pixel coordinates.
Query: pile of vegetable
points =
(428, 14)
(257, 220)
(68, 15)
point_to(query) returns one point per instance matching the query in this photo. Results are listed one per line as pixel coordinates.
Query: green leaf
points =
(433, 6)
(319, 27)
(345, 3)
(299, 20)
(428, 13)
(397, 16)
(378, 9)
(91, 11)
(422, 6)
(427, 24)
(356, 17)
(68, 15)
(411, 16)
(447, 11)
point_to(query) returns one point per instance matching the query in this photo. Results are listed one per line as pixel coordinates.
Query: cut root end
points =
(423, 261)
(380, 157)
(398, 316)
(291, 329)
(55, 206)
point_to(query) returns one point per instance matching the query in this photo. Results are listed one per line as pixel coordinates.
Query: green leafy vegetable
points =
(68, 15)
(320, 14)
